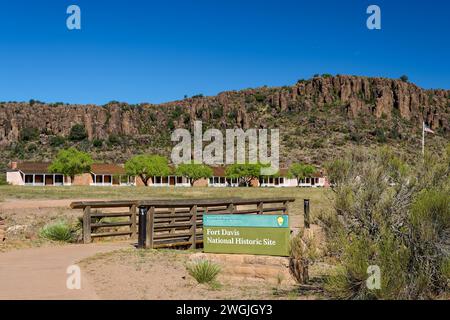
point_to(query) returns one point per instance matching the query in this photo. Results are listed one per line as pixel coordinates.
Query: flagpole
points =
(423, 139)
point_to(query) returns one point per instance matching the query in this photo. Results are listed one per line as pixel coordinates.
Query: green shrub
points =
(391, 215)
(217, 112)
(98, 143)
(259, 97)
(57, 141)
(379, 134)
(3, 181)
(29, 134)
(203, 271)
(114, 140)
(177, 112)
(58, 231)
(78, 133)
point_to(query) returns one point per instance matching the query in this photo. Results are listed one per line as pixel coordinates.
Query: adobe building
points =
(101, 174)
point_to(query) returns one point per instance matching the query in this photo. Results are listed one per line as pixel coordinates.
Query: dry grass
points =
(320, 198)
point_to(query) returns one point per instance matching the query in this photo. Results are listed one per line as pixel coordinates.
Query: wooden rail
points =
(171, 223)
(123, 223)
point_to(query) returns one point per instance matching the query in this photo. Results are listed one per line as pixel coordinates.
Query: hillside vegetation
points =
(318, 118)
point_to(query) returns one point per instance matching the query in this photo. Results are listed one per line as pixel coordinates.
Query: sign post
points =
(246, 234)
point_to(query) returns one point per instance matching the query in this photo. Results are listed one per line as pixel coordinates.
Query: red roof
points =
(42, 167)
(33, 167)
(105, 168)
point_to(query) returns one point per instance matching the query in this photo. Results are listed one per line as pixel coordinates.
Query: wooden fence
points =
(94, 220)
(172, 223)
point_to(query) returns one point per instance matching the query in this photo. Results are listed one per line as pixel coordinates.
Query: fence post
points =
(87, 225)
(260, 208)
(306, 213)
(286, 207)
(133, 221)
(142, 227)
(194, 227)
(231, 208)
(172, 221)
(150, 228)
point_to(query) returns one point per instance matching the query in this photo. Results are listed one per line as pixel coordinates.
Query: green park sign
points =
(247, 234)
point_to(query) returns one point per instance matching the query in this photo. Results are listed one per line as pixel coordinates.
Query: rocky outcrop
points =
(380, 97)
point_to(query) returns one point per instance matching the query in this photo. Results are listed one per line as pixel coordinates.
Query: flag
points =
(426, 128)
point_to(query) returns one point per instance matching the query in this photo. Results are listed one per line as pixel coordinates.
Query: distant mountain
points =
(318, 118)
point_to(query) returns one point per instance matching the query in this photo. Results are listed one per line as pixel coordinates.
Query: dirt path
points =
(40, 273)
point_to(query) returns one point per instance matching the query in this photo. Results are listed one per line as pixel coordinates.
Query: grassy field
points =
(320, 198)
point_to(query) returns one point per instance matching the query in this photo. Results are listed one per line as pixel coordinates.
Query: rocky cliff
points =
(333, 110)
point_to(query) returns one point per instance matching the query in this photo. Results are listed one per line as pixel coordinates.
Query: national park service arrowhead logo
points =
(280, 221)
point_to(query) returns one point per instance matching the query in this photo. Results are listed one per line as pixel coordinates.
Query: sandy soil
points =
(151, 274)
(40, 273)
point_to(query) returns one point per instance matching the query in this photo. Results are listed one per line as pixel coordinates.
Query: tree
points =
(147, 166)
(194, 171)
(301, 171)
(404, 78)
(246, 171)
(71, 162)
(78, 133)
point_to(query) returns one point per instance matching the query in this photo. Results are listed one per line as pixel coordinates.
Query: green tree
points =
(246, 172)
(301, 171)
(78, 133)
(404, 78)
(147, 166)
(194, 171)
(71, 162)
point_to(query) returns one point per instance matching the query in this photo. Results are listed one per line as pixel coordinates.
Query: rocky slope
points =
(317, 118)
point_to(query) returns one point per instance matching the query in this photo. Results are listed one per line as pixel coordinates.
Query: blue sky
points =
(157, 51)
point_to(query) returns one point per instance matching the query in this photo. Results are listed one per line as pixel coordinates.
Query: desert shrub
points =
(29, 134)
(32, 147)
(391, 215)
(78, 133)
(203, 271)
(98, 143)
(380, 135)
(259, 97)
(58, 231)
(3, 181)
(57, 141)
(404, 78)
(217, 112)
(114, 140)
(303, 252)
(177, 112)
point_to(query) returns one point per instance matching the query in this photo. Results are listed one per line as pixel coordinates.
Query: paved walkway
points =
(40, 273)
